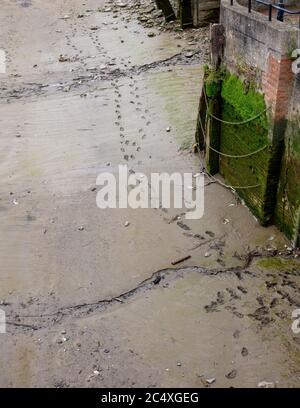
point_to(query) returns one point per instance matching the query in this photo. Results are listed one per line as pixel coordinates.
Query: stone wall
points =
(258, 89)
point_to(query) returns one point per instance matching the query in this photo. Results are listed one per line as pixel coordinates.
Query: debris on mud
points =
(180, 260)
(231, 375)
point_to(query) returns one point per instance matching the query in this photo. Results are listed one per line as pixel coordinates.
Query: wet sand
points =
(83, 293)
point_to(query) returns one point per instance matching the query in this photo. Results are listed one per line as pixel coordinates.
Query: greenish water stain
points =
(179, 91)
(278, 264)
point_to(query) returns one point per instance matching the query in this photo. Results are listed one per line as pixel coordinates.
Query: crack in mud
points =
(158, 277)
(31, 88)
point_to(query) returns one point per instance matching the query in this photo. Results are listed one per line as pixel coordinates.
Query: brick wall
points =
(257, 52)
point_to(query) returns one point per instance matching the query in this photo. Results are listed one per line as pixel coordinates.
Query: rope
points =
(233, 188)
(231, 123)
(241, 156)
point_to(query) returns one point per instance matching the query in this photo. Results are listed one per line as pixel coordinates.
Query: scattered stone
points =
(126, 224)
(244, 352)
(151, 34)
(189, 54)
(266, 384)
(63, 58)
(81, 228)
(231, 375)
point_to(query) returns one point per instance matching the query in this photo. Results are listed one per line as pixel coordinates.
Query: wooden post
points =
(213, 131)
(201, 123)
(185, 12)
(167, 9)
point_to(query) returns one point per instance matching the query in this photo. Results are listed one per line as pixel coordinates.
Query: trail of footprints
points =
(130, 141)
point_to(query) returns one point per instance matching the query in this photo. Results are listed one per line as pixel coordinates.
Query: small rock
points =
(231, 375)
(81, 228)
(266, 384)
(244, 352)
(189, 54)
(126, 224)
(210, 380)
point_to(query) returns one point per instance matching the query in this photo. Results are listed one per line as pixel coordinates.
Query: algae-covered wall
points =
(259, 107)
(240, 103)
(288, 201)
(246, 153)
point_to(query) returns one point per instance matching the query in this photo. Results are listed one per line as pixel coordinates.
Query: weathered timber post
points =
(167, 9)
(212, 97)
(185, 13)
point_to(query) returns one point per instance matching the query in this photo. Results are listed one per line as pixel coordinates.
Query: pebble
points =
(266, 384)
(231, 375)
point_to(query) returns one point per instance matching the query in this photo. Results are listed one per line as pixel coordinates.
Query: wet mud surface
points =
(89, 301)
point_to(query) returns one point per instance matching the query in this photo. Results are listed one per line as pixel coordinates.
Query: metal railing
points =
(281, 10)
